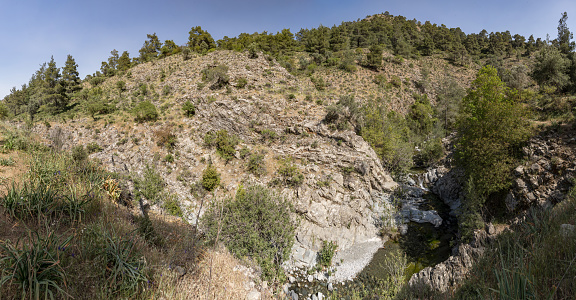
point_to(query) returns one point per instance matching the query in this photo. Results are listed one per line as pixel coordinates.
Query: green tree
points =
(449, 98)
(169, 48)
(491, 130)
(151, 48)
(53, 92)
(200, 41)
(124, 61)
(564, 36)
(551, 68)
(70, 76)
(374, 57)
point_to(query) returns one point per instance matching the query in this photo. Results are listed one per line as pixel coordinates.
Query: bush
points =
(79, 153)
(165, 138)
(172, 206)
(189, 109)
(241, 83)
(145, 111)
(326, 254)
(257, 224)
(93, 148)
(255, 164)
(289, 174)
(210, 178)
(151, 185)
(218, 75)
(225, 144)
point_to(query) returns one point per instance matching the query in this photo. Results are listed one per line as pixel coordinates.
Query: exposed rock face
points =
(451, 272)
(545, 178)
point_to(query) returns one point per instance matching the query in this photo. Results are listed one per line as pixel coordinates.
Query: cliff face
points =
(344, 193)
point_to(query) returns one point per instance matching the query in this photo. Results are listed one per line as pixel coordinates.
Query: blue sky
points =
(32, 31)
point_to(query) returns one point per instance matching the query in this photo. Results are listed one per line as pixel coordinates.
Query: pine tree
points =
(564, 36)
(70, 76)
(124, 61)
(200, 41)
(374, 57)
(151, 48)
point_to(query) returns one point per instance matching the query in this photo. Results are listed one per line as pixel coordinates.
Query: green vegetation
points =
(224, 143)
(150, 185)
(210, 178)
(288, 174)
(255, 224)
(189, 109)
(144, 112)
(217, 76)
(326, 254)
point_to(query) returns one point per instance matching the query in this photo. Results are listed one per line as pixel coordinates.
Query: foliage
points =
(210, 178)
(36, 266)
(150, 185)
(145, 111)
(93, 147)
(551, 68)
(189, 109)
(217, 75)
(486, 149)
(288, 174)
(241, 82)
(257, 224)
(225, 143)
(200, 41)
(374, 57)
(172, 206)
(326, 254)
(255, 164)
(79, 153)
(449, 101)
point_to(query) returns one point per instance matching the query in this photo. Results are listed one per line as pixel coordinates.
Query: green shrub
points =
(326, 254)
(241, 83)
(268, 135)
(94, 81)
(225, 144)
(145, 111)
(289, 174)
(30, 201)
(257, 224)
(93, 148)
(172, 206)
(255, 164)
(34, 266)
(210, 178)
(189, 109)
(79, 153)
(217, 75)
(150, 185)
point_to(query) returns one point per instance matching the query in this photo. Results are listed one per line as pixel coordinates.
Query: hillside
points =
(270, 166)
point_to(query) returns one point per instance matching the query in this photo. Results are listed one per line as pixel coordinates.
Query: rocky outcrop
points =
(451, 272)
(547, 174)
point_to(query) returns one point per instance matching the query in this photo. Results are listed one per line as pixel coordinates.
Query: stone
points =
(310, 278)
(490, 229)
(314, 297)
(293, 295)
(253, 295)
(320, 296)
(330, 287)
(567, 229)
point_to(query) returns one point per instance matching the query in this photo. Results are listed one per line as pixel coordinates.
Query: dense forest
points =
(521, 85)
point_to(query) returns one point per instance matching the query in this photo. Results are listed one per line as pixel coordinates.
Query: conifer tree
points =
(200, 41)
(151, 48)
(70, 76)
(124, 61)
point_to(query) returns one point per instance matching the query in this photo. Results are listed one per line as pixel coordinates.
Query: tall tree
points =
(374, 57)
(151, 47)
(124, 61)
(200, 41)
(564, 36)
(70, 76)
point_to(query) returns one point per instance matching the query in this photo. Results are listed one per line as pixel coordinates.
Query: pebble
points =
(310, 278)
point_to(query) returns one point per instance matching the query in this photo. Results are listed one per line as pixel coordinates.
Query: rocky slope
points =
(345, 191)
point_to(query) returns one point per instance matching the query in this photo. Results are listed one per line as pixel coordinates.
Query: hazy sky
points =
(32, 31)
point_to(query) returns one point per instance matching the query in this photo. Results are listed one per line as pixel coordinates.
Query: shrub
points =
(35, 265)
(257, 224)
(241, 83)
(145, 111)
(172, 206)
(326, 254)
(93, 148)
(218, 75)
(289, 174)
(255, 164)
(165, 138)
(79, 153)
(151, 185)
(189, 109)
(210, 178)
(225, 144)
(94, 81)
